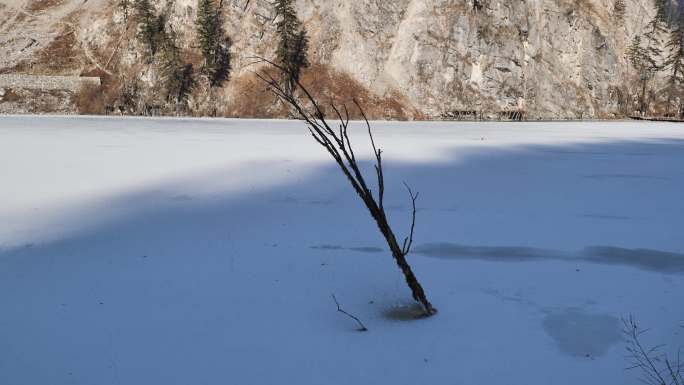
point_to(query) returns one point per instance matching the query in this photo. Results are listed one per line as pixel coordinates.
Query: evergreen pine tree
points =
(124, 6)
(293, 44)
(653, 38)
(299, 52)
(619, 9)
(646, 53)
(206, 30)
(129, 96)
(148, 26)
(675, 60)
(662, 8)
(176, 76)
(633, 51)
(637, 54)
(214, 44)
(641, 61)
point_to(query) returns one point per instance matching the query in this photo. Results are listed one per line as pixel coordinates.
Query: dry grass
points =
(41, 5)
(61, 56)
(5, 15)
(10, 96)
(253, 100)
(331, 86)
(38, 101)
(194, 57)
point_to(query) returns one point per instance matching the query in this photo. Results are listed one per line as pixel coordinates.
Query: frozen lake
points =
(191, 251)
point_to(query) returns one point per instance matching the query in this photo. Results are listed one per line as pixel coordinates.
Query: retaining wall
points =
(42, 82)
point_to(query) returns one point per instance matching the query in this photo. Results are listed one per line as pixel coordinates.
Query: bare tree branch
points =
(338, 144)
(655, 367)
(362, 327)
(408, 241)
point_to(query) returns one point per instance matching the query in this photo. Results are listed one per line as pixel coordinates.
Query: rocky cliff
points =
(432, 59)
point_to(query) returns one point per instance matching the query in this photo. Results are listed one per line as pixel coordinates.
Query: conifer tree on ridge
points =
(293, 44)
(214, 43)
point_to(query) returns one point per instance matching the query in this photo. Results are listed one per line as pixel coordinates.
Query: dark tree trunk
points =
(642, 108)
(411, 280)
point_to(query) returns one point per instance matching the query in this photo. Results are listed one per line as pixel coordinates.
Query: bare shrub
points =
(110, 85)
(91, 100)
(655, 366)
(129, 96)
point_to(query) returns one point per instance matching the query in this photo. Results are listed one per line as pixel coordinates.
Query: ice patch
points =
(644, 259)
(624, 176)
(489, 253)
(607, 217)
(647, 259)
(581, 334)
(362, 249)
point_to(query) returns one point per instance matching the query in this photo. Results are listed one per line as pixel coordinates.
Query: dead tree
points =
(337, 143)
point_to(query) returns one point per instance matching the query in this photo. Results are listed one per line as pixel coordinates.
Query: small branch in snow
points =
(362, 327)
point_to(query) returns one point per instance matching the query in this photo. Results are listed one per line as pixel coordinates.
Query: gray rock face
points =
(549, 59)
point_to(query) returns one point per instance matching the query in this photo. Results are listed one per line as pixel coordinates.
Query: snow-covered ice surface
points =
(163, 251)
